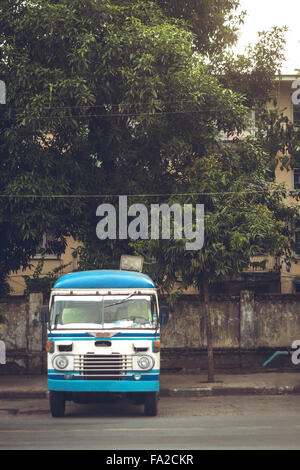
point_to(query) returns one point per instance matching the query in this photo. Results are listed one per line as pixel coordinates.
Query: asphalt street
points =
(233, 422)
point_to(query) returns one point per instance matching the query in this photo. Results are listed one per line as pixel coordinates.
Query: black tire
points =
(57, 403)
(150, 404)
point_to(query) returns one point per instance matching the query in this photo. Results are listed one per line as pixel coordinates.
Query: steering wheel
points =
(134, 317)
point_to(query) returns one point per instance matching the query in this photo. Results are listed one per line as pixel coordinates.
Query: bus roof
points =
(104, 279)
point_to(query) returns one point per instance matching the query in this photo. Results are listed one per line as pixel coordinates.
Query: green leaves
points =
(115, 97)
(43, 283)
(244, 218)
(213, 22)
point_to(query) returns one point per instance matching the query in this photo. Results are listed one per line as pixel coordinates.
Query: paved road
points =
(252, 422)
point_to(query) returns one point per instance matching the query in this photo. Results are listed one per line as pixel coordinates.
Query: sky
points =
(262, 15)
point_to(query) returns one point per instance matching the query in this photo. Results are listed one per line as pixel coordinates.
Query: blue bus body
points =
(103, 337)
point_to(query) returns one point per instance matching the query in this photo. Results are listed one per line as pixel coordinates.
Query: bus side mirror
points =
(45, 315)
(164, 315)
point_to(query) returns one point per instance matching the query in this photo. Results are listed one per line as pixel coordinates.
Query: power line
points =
(132, 103)
(120, 106)
(74, 196)
(112, 115)
(156, 113)
(103, 105)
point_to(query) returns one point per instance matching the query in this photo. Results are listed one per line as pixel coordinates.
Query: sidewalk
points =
(174, 385)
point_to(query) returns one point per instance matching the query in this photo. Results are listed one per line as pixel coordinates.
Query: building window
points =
(296, 178)
(296, 115)
(297, 287)
(297, 240)
(44, 248)
(252, 116)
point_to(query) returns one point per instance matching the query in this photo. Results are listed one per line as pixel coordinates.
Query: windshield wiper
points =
(120, 301)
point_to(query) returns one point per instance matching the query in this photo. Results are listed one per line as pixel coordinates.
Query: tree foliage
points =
(254, 73)
(215, 23)
(244, 217)
(98, 92)
(42, 283)
(129, 97)
(116, 97)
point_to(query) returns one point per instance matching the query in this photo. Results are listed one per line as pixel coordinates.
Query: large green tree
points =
(102, 97)
(244, 217)
(127, 97)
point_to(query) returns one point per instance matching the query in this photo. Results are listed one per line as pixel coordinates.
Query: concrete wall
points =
(23, 335)
(186, 326)
(247, 329)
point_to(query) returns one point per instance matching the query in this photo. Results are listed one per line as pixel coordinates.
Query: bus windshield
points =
(111, 311)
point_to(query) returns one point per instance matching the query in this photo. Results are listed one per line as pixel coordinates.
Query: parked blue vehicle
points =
(104, 338)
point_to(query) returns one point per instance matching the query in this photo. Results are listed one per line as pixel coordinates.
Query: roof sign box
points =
(131, 263)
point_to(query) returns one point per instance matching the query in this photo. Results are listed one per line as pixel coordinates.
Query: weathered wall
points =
(186, 326)
(277, 320)
(247, 329)
(23, 335)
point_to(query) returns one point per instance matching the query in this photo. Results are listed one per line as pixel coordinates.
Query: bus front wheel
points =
(57, 403)
(150, 404)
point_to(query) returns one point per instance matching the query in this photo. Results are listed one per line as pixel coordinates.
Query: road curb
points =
(223, 391)
(23, 394)
(177, 392)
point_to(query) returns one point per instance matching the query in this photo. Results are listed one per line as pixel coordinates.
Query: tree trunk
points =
(209, 337)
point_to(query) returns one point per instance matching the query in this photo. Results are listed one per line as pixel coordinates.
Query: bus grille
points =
(103, 367)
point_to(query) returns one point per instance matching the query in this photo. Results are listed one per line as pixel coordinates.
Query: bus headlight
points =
(144, 362)
(62, 362)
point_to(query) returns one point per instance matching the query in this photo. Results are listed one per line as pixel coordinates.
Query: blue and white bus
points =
(103, 338)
